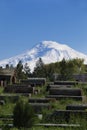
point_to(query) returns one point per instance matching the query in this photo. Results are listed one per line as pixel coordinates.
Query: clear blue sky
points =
(24, 23)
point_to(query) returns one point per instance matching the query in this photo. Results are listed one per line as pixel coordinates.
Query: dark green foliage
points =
(28, 116)
(50, 70)
(79, 66)
(39, 70)
(23, 115)
(66, 69)
(18, 114)
(63, 70)
(19, 71)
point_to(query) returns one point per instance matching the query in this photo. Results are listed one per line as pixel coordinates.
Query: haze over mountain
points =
(49, 51)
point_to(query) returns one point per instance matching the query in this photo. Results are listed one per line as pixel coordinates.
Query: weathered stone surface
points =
(60, 97)
(68, 116)
(76, 107)
(66, 82)
(65, 91)
(19, 89)
(34, 81)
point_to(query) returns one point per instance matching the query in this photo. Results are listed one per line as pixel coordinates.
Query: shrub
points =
(23, 115)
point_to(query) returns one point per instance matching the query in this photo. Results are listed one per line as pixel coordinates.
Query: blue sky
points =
(24, 23)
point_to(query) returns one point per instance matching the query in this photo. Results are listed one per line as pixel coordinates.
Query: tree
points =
(63, 70)
(1, 70)
(19, 71)
(70, 67)
(23, 115)
(18, 114)
(7, 66)
(27, 70)
(49, 71)
(79, 66)
(39, 70)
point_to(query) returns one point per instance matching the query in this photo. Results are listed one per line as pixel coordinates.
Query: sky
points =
(25, 23)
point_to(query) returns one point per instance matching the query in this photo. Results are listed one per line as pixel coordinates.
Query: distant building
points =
(7, 76)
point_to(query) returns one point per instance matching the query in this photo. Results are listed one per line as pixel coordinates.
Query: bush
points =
(23, 115)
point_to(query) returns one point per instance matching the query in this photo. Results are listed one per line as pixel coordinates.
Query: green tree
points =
(70, 67)
(49, 71)
(27, 70)
(18, 114)
(19, 71)
(79, 66)
(39, 70)
(63, 70)
(23, 115)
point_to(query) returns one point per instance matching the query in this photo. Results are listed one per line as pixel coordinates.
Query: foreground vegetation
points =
(8, 109)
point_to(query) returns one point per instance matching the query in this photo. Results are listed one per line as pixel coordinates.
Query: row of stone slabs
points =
(64, 89)
(59, 116)
(26, 86)
(19, 88)
(54, 92)
(61, 92)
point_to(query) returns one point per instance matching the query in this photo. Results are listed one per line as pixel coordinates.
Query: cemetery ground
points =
(47, 108)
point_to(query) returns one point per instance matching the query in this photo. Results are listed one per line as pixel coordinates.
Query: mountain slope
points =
(49, 51)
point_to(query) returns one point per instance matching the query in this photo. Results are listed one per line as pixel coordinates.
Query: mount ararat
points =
(49, 51)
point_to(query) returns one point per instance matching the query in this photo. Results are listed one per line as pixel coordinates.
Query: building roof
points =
(8, 72)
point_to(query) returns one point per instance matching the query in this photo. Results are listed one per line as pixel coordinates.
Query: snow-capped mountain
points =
(49, 51)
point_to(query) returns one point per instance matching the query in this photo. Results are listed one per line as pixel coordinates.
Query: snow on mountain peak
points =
(51, 44)
(49, 51)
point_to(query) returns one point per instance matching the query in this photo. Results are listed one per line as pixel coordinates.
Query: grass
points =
(1, 90)
(7, 109)
(49, 128)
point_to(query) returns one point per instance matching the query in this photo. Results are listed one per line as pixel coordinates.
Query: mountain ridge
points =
(49, 51)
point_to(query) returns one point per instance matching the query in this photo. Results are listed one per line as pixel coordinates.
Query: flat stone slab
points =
(65, 91)
(66, 116)
(76, 107)
(60, 97)
(58, 125)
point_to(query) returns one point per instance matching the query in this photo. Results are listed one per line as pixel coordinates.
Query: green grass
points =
(1, 89)
(49, 128)
(7, 109)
